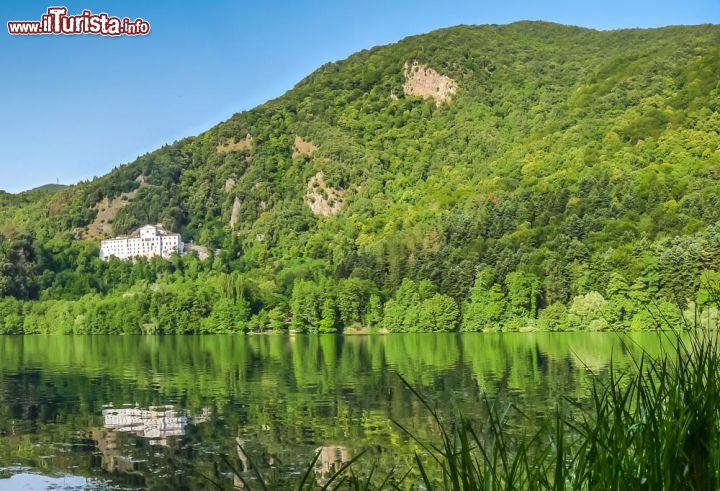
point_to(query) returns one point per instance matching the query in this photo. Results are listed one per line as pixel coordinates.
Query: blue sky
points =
(75, 107)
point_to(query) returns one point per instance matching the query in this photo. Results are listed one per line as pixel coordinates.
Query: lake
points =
(131, 412)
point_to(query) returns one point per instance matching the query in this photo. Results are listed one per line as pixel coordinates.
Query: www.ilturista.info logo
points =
(57, 21)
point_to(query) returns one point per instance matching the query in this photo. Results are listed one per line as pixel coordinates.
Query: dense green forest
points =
(558, 178)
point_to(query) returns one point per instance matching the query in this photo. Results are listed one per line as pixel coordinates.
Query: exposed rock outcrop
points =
(202, 251)
(234, 146)
(302, 147)
(235, 213)
(322, 199)
(423, 81)
(101, 226)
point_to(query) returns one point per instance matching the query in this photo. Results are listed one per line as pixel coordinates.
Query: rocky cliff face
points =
(422, 81)
(321, 198)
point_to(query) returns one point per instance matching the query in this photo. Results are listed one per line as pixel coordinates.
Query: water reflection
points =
(181, 402)
(112, 458)
(156, 424)
(29, 481)
(329, 462)
(244, 471)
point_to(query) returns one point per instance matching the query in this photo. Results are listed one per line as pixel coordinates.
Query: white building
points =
(147, 241)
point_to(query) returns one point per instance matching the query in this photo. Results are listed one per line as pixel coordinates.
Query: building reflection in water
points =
(244, 464)
(155, 424)
(112, 459)
(329, 462)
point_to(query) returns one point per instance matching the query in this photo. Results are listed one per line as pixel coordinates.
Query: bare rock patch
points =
(101, 226)
(235, 213)
(202, 251)
(302, 147)
(322, 199)
(234, 146)
(423, 81)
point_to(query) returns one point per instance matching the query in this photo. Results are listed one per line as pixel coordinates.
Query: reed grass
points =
(654, 426)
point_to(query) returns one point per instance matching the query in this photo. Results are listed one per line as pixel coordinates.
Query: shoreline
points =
(354, 332)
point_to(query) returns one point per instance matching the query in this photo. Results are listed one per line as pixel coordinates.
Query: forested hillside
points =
(529, 175)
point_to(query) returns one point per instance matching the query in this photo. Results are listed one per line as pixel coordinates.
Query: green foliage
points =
(486, 307)
(523, 292)
(553, 318)
(586, 312)
(328, 316)
(403, 313)
(227, 316)
(569, 161)
(305, 302)
(628, 439)
(438, 313)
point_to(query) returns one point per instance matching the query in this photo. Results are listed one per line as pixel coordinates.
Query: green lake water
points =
(156, 412)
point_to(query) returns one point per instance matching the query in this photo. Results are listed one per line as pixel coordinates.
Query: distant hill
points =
(560, 152)
(47, 188)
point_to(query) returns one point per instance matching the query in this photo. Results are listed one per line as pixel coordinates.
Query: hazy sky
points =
(75, 107)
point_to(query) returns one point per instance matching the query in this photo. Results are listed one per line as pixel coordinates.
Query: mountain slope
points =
(554, 153)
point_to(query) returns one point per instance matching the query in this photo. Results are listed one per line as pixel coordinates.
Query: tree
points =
(438, 313)
(276, 319)
(486, 307)
(328, 318)
(374, 314)
(553, 318)
(402, 313)
(228, 316)
(305, 306)
(586, 312)
(523, 293)
(621, 305)
(393, 316)
(350, 299)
